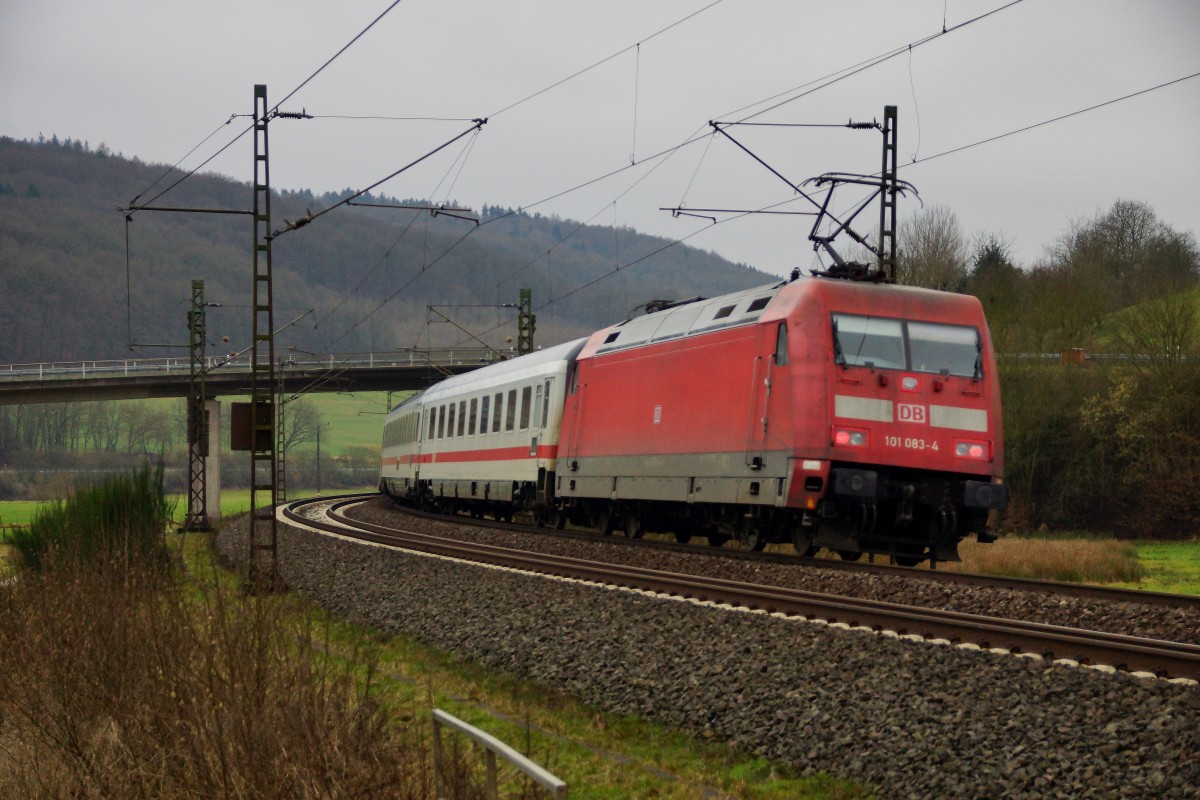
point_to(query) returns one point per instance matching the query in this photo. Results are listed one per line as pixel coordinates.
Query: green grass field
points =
(351, 419)
(1169, 567)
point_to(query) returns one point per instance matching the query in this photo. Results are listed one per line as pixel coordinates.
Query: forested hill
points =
(63, 267)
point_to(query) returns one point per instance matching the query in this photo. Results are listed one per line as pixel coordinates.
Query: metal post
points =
(526, 323)
(887, 197)
(281, 466)
(197, 417)
(263, 447)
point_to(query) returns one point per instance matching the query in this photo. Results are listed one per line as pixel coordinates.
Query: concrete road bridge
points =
(140, 378)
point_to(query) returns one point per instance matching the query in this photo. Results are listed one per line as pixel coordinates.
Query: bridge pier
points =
(212, 464)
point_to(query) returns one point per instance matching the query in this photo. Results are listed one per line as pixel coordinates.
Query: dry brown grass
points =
(118, 686)
(1075, 560)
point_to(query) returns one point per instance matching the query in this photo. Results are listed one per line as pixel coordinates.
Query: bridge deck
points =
(168, 377)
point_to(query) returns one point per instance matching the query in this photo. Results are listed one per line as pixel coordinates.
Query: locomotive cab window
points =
(906, 344)
(945, 348)
(868, 342)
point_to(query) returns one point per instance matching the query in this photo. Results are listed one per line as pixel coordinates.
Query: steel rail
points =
(1058, 588)
(1052, 642)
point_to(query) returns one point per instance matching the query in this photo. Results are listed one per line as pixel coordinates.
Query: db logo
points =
(909, 412)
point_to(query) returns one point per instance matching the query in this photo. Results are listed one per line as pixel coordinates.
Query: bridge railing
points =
(287, 360)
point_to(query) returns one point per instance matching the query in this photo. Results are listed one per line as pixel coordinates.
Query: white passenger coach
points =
(484, 442)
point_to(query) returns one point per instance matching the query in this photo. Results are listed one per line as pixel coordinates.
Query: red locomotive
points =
(857, 416)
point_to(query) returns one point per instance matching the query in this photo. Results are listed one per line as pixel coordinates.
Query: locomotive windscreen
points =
(906, 345)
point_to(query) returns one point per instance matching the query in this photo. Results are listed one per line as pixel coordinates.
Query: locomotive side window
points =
(944, 348)
(869, 341)
(510, 417)
(781, 345)
(496, 412)
(483, 414)
(525, 404)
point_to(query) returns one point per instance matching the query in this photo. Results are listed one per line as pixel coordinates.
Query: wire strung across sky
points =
(958, 149)
(274, 109)
(789, 96)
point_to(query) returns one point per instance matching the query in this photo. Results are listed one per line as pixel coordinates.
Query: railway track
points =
(1050, 642)
(1061, 588)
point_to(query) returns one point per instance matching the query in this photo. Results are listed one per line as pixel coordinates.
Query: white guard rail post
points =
(493, 747)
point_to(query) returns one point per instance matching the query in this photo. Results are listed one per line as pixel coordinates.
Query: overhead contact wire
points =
(604, 60)
(274, 109)
(1055, 119)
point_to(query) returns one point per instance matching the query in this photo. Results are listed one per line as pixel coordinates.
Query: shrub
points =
(121, 519)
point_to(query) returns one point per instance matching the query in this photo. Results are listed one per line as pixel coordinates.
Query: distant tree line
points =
(1113, 445)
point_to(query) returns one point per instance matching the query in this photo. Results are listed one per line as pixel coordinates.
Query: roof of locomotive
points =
(702, 316)
(539, 362)
(770, 302)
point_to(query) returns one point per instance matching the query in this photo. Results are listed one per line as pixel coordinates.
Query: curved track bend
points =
(1147, 657)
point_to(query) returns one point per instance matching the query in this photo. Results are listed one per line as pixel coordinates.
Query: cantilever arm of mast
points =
(436, 211)
(904, 187)
(130, 209)
(681, 211)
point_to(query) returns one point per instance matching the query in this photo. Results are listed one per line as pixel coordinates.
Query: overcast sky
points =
(152, 78)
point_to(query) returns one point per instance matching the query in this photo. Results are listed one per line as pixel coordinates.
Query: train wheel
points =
(909, 555)
(605, 522)
(751, 536)
(802, 541)
(850, 555)
(634, 527)
(683, 537)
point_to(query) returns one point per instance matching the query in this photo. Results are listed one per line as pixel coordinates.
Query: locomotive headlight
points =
(846, 437)
(977, 451)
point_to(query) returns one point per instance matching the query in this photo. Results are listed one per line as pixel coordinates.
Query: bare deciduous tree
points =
(932, 252)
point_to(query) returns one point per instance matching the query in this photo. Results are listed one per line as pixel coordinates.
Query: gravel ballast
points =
(1133, 619)
(908, 719)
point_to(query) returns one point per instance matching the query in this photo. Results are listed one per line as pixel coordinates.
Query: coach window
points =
(462, 417)
(450, 422)
(546, 403)
(483, 414)
(496, 408)
(441, 415)
(525, 404)
(537, 406)
(510, 416)
(471, 419)
(781, 348)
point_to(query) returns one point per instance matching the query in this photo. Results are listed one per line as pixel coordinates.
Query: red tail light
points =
(849, 437)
